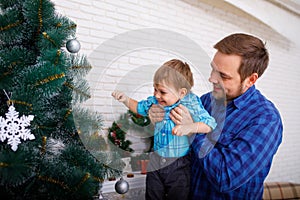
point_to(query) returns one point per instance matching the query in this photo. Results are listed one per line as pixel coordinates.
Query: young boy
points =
(168, 175)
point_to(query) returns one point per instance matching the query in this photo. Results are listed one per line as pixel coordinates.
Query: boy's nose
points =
(157, 95)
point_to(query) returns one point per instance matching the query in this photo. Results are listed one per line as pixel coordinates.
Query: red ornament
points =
(113, 134)
(117, 142)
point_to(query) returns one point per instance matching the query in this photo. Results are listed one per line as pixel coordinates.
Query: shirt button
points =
(163, 134)
(163, 160)
(165, 121)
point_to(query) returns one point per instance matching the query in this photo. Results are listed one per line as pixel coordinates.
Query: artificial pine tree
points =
(41, 86)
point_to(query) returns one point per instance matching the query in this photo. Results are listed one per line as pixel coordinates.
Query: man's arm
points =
(241, 154)
(229, 163)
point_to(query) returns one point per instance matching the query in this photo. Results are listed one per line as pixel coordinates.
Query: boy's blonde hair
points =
(176, 73)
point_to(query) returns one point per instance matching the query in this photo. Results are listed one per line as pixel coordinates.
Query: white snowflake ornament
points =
(14, 128)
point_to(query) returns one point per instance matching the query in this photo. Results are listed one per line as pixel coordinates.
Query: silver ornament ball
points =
(73, 46)
(121, 186)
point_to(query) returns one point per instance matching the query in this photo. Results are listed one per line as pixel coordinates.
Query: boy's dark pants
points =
(168, 178)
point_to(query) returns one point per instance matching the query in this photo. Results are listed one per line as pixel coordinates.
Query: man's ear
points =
(182, 92)
(250, 80)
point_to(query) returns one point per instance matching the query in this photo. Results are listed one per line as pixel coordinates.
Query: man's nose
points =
(214, 77)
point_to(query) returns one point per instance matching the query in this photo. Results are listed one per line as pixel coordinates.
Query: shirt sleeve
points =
(144, 105)
(241, 154)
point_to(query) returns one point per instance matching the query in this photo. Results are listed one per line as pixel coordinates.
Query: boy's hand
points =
(186, 129)
(120, 96)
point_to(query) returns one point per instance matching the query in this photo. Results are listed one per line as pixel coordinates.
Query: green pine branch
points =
(42, 79)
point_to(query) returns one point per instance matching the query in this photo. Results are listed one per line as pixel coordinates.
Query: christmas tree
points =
(42, 85)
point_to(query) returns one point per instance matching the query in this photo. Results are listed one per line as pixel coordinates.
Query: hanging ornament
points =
(13, 128)
(73, 46)
(121, 186)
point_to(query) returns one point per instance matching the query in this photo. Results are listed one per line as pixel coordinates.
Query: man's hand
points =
(156, 113)
(181, 115)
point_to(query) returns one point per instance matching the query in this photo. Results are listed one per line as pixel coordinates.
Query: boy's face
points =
(167, 95)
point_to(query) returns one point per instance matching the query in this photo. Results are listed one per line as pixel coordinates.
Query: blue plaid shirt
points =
(233, 161)
(166, 144)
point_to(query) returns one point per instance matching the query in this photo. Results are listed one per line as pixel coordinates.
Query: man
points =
(232, 161)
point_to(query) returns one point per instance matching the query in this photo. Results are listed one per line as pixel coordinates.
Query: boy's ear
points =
(182, 92)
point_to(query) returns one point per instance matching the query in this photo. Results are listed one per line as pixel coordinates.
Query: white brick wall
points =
(100, 20)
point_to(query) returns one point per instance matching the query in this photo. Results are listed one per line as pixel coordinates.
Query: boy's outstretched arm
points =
(130, 103)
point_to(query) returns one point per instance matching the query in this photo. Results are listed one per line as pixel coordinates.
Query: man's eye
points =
(224, 76)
